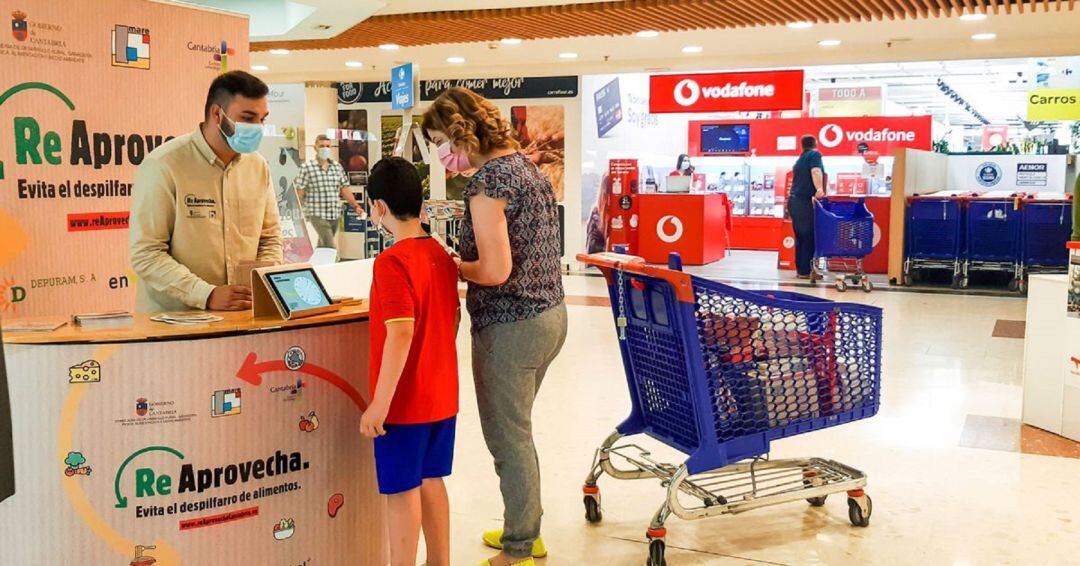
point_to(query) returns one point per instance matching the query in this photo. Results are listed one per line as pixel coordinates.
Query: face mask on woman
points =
(454, 161)
(245, 137)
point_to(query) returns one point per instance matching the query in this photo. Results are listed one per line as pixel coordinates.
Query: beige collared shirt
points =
(195, 219)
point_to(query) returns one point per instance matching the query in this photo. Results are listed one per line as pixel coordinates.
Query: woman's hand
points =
(371, 423)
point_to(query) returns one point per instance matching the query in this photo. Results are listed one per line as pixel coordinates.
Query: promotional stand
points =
(175, 442)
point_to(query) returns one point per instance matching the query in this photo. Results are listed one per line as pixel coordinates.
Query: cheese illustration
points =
(86, 372)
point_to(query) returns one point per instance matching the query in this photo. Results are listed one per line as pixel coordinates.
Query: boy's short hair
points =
(396, 182)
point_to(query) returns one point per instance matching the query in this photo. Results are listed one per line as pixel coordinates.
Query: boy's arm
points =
(399, 335)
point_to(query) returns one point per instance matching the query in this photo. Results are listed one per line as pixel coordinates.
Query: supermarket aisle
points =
(945, 456)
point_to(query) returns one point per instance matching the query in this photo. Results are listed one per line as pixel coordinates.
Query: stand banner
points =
(88, 90)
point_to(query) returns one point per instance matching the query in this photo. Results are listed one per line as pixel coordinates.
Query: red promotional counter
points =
(696, 226)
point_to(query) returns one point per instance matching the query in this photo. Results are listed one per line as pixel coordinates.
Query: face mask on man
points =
(324, 152)
(454, 161)
(245, 137)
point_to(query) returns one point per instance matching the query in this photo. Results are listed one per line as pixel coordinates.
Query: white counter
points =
(1051, 344)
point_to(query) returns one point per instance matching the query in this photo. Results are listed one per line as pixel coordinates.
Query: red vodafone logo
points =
(718, 92)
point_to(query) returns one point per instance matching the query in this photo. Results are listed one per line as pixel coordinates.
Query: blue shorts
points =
(409, 454)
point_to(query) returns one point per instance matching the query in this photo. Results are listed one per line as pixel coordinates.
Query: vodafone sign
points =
(725, 92)
(836, 136)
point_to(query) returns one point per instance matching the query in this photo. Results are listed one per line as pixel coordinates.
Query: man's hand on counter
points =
(229, 298)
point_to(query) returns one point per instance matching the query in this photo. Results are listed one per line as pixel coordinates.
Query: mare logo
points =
(131, 47)
(988, 174)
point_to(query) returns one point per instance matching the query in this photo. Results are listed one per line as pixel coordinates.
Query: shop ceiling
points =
(581, 19)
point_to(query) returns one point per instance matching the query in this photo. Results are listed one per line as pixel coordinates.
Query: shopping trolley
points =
(993, 236)
(1047, 227)
(843, 236)
(718, 373)
(935, 237)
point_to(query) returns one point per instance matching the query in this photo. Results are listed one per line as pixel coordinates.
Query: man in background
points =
(204, 204)
(806, 185)
(321, 186)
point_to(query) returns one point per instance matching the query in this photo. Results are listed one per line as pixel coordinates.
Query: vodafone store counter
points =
(697, 226)
(229, 442)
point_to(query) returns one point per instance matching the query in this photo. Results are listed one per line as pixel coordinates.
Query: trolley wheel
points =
(859, 516)
(593, 514)
(866, 284)
(817, 501)
(841, 284)
(814, 276)
(656, 553)
(908, 280)
(957, 281)
(1022, 287)
(1014, 285)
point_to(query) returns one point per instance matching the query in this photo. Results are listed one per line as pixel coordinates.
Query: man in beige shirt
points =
(204, 204)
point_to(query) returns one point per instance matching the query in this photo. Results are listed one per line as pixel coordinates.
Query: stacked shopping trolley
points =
(718, 373)
(1011, 233)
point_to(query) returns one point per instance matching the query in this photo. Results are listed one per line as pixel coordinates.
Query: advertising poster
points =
(353, 140)
(541, 131)
(284, 159)
(88, 90)
(391, 128)
(1007, 172)
(229, 450)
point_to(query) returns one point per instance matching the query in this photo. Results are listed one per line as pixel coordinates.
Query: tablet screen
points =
(298, 290)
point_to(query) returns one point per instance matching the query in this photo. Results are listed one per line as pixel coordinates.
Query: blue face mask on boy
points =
(245, 137)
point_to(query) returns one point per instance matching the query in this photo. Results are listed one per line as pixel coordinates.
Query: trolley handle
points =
(608, 262)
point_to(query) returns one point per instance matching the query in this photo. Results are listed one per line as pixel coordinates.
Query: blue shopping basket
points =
(843, 228)
(935, 229)
(1047, 227)
(718, 372)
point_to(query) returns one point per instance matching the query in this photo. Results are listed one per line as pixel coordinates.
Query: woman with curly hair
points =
(510, 257)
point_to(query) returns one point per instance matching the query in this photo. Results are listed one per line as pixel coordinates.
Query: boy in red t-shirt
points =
(415, 311)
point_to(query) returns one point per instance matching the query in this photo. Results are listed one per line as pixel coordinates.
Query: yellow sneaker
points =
(493, 539)
(526, 562)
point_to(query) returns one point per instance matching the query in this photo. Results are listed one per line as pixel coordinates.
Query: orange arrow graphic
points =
(252, 371)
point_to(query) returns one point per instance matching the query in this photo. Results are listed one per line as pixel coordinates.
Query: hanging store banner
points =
(726, 92)
(849, 101)
(502, 88)
(1054, 105)
(835, 136)
(88, 90)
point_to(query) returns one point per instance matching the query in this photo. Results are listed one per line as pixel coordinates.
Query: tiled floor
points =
(954, 477)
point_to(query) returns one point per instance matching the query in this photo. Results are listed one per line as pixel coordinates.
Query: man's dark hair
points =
(227, 85)
(809, 142)
(396, 182)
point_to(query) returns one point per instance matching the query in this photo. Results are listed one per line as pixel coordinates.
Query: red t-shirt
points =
(415, 279)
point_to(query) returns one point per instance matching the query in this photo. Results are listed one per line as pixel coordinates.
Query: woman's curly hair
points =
(471, 122)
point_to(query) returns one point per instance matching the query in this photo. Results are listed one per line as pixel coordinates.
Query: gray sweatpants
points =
(509, 363)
